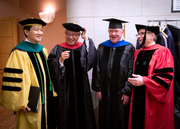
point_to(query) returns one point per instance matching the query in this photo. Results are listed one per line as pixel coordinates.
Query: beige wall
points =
(21, 9)
(90, 15)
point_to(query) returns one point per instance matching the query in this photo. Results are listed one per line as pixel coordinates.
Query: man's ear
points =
(122, 30)
(26, 32)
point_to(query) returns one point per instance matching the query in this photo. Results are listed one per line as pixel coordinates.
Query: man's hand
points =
(136, 81)
(64, 55)
(27, 109)
(125, 99)
(84, 34)
(99, 95)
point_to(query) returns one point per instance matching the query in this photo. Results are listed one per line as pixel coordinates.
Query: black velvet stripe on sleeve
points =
(163, 70)
(11, 88)
(12, 79)
(167, 76)
(161, 82)
(13, 70)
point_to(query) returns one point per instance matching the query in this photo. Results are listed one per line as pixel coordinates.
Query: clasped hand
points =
(137, 80)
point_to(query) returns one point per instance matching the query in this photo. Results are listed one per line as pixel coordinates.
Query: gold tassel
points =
(124, 34)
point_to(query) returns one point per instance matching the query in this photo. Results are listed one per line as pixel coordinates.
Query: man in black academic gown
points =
(114, 66)
(69, 63)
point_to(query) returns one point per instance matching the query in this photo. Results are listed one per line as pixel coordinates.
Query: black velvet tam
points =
(31, 21)
(73, 27)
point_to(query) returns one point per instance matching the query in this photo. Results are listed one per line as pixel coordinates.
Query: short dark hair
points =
(27, 28)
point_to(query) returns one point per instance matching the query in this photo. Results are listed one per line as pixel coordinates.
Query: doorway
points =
(8, 40)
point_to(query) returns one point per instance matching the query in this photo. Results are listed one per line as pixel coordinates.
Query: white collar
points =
(27, 40)
(151, 44)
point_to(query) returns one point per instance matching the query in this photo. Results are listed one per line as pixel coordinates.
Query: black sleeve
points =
(88, 58)
(56, 72)
(128, 87)
(96, 72)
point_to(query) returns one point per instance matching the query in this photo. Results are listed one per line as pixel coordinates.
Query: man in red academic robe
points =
(152, 95)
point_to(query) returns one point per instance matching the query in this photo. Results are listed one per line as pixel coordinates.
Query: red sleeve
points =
(160, 74)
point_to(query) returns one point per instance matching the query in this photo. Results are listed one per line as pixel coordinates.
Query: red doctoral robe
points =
(154, 109)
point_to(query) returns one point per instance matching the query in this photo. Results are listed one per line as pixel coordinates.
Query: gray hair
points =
(155, 38)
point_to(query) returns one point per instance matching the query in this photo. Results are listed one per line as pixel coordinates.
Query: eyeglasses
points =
(114, 31)
(140, 34)
(73, 35)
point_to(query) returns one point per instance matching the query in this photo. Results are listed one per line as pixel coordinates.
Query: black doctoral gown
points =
(114, 66)
(75, 108)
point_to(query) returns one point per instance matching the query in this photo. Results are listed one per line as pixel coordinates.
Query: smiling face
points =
(140, 35)
(72, 37)
(115, 34)
(35, 34)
